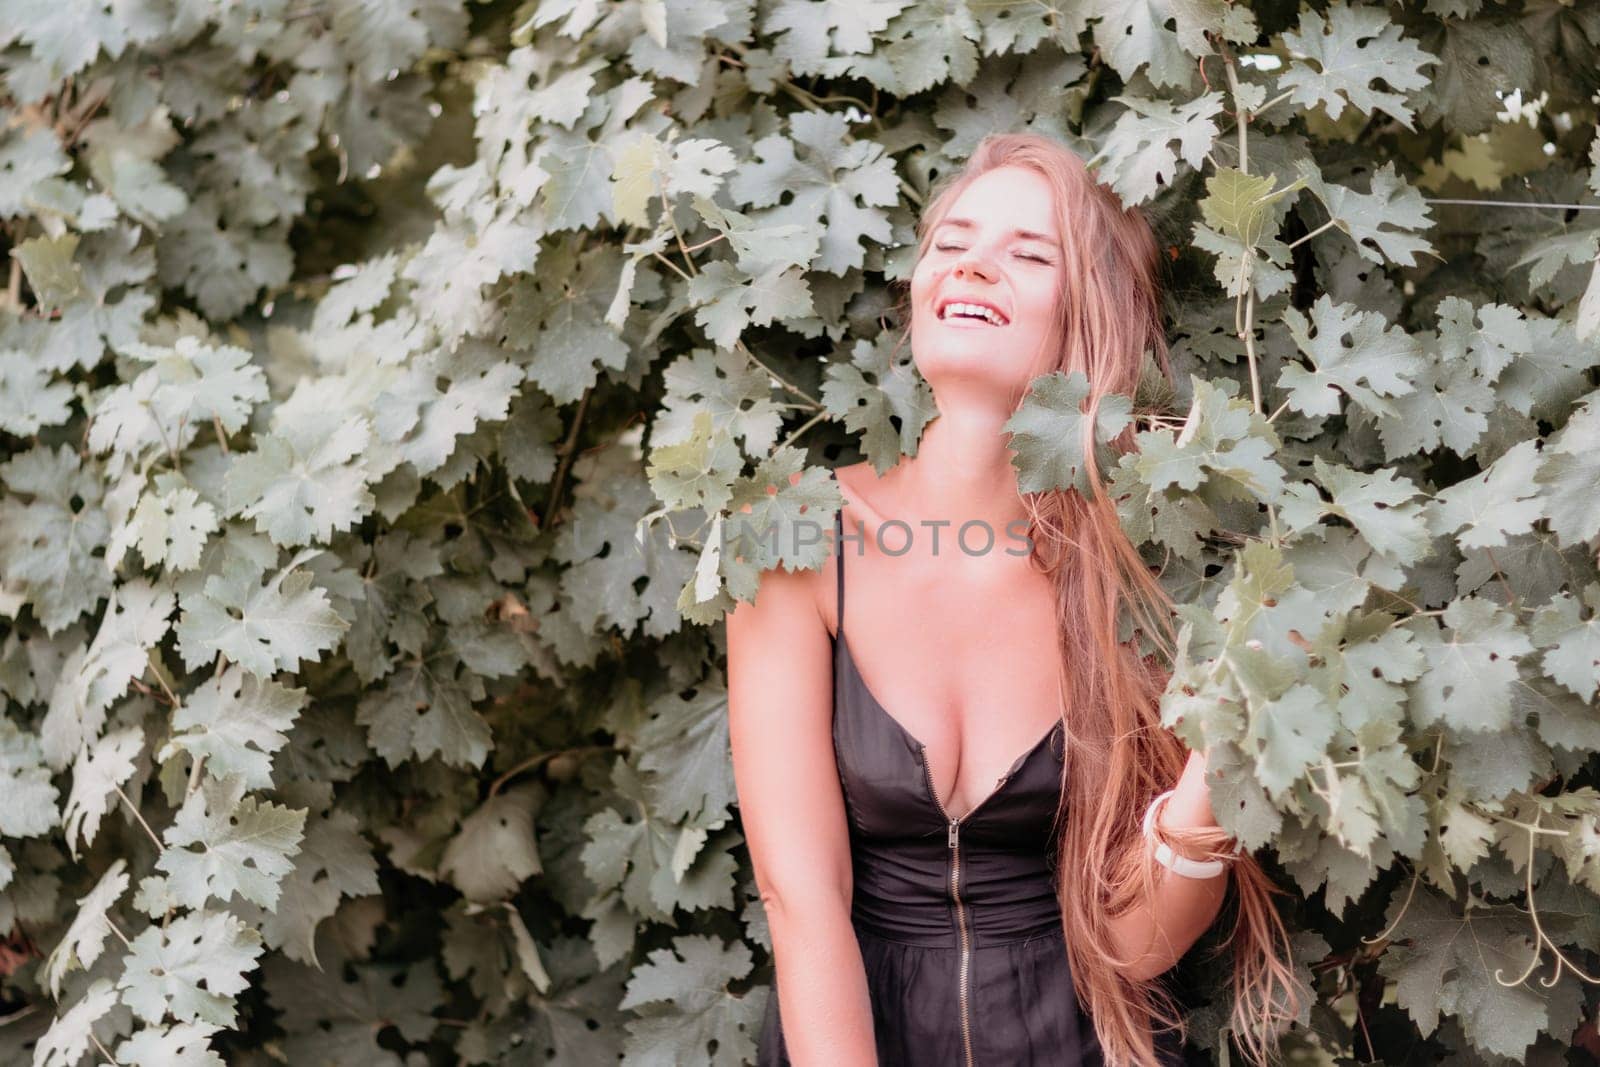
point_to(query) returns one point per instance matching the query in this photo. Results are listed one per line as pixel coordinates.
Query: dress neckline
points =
(842, 644)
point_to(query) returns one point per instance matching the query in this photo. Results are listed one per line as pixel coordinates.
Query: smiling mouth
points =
(966, 316)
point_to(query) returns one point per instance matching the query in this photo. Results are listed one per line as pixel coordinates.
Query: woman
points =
(933, 897)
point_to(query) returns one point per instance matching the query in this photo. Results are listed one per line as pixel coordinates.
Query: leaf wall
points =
(378, 384)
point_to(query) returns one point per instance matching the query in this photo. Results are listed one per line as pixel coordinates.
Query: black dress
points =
(960, 932)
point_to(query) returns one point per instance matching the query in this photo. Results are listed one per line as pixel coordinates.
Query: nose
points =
(969, 264)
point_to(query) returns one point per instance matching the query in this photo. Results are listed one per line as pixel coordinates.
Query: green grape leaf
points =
(170, 528)
(235, 722)
(29, 400)
(1048, 433)
(1224, 445)
(344, 1016)
(1472, 666)
(685, 750)
(1383, 222)
(808, 35)
(28, 159)
(97, 775)
(1449, 406)
(1484, 510)
(263, 628)
(334, 862)
(305, 480)
(85, 939)
(179, 1045)
(1352, 48)
(928, 42)
(69, 1036)
(51, 527)
(191, 969)
(781, 516)
(1379, 362)
(733, 389)
(1381, 508)
(880, 395)
(223, 842)
(687, 1007)
(697, 472)
(1289, 735)
(494, 852)
(727, 301)
(224, 266)
(1447, 964)
(839, 184)
(1571, 642)
(1136, 158)
(1237, 203)
(30, 807)
(1570, 471)
(135, 622)
(189, 385)
(52, 275)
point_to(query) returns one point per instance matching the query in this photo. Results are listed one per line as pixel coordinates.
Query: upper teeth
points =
(974, 309)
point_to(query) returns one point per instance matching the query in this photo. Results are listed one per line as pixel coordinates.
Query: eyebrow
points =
(1025, 234)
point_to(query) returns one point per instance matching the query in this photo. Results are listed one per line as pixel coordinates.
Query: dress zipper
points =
(953, 840)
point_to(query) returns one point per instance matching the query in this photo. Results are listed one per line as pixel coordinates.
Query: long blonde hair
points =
(1119, 756)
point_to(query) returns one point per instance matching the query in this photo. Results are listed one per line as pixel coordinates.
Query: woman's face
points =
(998, 246)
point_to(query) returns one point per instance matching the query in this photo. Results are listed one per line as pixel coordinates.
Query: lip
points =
(973, 324)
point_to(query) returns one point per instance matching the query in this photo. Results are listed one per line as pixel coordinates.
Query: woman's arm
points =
(1164, 928)
(780, 715)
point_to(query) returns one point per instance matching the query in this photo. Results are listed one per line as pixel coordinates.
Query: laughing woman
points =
(975, 841)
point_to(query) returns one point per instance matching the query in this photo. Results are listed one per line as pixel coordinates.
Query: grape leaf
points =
(245, 845)
(890, 409)
(84, 940)
(687, 985)
(136, 620)
(685, 749)
(334, 862)
(732, 389)
(29, 399)
(839, 184)
(30, 807)
(928, 42)
(1137, 154)
(305, 480)
(1471, 667)
(264, 628)
(494, 852)
(51, 527)
(69, 1035)
(1483, 511)
(1048, 433)
(1571, 642)
(1379, 362)
(100, 769)
(1352, 48)
(1447, 964)
(191, 969)
(235, 722)
(807, 35)
(170, 527)
(180, 1045)
(1570, 471)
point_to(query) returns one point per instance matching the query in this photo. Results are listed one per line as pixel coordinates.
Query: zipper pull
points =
(955, 832)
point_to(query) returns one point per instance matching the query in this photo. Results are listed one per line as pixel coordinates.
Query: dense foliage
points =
(375, 380)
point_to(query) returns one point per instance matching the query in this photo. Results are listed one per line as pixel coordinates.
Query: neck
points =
(962, 469)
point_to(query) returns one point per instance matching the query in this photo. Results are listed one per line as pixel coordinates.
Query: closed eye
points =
(1020, 255)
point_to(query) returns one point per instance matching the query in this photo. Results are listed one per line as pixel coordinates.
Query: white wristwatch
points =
(1180, 865)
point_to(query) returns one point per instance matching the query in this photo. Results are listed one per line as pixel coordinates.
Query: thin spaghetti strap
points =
(838, 555)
